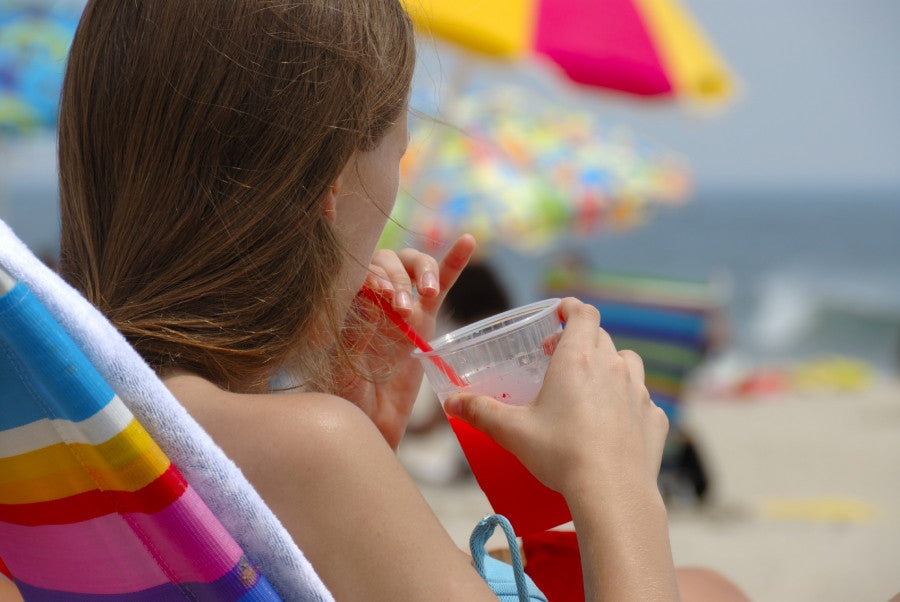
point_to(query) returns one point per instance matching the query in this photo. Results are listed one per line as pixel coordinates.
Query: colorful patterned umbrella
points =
(525, 171)
(35, 36)
(642, 47)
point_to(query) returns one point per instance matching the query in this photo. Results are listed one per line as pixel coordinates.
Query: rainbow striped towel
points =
(90, 506)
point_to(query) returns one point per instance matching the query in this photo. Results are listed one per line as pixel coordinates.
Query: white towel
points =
(216, 478)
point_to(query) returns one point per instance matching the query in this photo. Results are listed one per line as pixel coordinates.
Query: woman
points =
(226, 169)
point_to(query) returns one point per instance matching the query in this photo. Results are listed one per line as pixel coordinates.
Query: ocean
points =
(810, 274)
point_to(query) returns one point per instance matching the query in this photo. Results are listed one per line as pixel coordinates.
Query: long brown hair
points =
(197, 141)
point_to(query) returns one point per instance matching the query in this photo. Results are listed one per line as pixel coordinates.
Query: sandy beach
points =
(804, 502)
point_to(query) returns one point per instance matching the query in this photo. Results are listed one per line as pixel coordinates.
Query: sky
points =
(817, 103)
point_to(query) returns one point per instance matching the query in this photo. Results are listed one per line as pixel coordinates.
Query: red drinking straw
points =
(388, 309)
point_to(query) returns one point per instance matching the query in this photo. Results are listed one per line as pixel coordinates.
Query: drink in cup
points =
(505, 357)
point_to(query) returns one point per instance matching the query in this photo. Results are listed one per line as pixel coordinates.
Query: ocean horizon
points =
(810, 273)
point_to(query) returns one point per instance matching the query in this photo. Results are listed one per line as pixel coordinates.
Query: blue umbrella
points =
(35, 36)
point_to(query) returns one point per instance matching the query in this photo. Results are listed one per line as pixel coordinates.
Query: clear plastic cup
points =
(504, 356)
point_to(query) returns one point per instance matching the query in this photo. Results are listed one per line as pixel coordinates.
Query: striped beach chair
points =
(90, 506)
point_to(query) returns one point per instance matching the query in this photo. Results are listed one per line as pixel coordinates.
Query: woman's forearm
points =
(624, 541)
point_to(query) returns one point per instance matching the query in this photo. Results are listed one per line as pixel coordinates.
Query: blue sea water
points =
(809, 273)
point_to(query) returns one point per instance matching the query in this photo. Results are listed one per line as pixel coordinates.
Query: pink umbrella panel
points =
(649, 48)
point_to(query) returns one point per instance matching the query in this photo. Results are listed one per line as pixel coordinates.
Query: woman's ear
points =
(330, 206)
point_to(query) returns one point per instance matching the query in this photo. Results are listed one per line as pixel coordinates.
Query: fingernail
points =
(385, 285)
(403, 300)
(429, 282)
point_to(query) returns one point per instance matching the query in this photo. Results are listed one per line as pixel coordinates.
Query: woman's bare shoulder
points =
(303, 425)
(305, 453)
(334, 482)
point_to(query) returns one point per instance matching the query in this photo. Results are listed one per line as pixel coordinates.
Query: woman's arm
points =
(594, 435)
(623, 539)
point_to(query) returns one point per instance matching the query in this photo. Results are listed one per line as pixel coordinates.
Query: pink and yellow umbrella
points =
(641, 47)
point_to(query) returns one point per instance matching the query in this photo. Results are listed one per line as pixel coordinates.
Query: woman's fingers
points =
(635, 366)
(378, 281)
(585, 330)
(500, 421)
(449, 269)
(422, 269)
(456, 260)
(395, 274)
(583, 319)
(386, 265)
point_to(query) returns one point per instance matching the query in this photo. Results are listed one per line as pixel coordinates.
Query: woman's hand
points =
(383, 349)
(593, 419)
(594, 435)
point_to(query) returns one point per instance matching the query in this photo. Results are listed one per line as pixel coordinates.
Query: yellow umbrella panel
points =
(641, 47)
